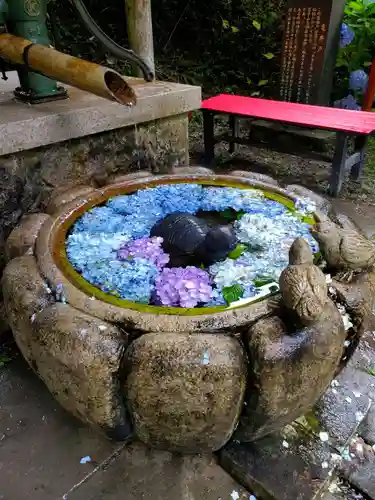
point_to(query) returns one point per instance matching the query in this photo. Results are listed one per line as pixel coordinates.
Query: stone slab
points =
(294, 465)
(25, 127)
(343, 407)
(367, 428)
(361, 474)
(143, 473)
(40, 445)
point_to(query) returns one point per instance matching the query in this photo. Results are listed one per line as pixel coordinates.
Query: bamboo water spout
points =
(84, 75)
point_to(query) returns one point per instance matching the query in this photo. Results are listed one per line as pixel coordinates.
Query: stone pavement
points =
(41, 446)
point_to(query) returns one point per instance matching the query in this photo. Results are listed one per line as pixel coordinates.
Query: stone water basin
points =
(184, 380)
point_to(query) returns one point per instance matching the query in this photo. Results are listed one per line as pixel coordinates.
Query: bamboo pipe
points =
(84, 75)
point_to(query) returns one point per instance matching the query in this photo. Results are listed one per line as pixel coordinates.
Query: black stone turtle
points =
(186, 235)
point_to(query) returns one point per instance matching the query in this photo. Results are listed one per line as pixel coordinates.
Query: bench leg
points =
(360, 147)
(235, 129)
(209, 138)
(338, 164)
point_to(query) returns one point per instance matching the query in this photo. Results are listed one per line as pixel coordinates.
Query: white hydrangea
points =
(258, 230)
(229, 272)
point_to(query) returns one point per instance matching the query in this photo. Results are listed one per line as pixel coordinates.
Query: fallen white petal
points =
(285, 444)
(324, 436)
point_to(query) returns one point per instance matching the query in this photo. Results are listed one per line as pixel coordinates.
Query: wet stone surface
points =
(361, 474)
(342, 408)
(40, 444)
(367, 429)
(294, 465)
(142, 473)
(42, 447)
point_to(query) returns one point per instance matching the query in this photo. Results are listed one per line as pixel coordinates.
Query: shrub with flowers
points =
(111, 247)
(357, 49)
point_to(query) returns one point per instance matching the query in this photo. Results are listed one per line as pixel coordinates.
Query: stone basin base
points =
(125, 371)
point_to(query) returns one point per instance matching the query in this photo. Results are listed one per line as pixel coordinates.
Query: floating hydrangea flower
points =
(220, 199)
(139, 225)
(346, 35)
(347, 102)
(231, 272)
(101, 220)
(358, 80)
(179, 198)
(257, 230)
(146, 248)
(160, 200)
(184, 287)
(86, 249)
(130, 280)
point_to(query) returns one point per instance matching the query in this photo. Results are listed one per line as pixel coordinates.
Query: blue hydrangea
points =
(346, 35)
(100, 220)
(85, 249)
(347, 102)
(161, 200)
(179, 198)
(134, 204)
(130, 280)
(358, 80)
(139, 225)
(220, 199)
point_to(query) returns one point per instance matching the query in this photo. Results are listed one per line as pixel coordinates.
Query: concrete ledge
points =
(25, 127)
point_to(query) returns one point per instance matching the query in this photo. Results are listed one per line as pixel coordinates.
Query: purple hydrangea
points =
(358, 80)
(146, 248)
(346, 35)
(184, 287)
(347, 102)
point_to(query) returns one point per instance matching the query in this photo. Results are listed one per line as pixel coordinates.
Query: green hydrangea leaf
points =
(232, 293)
(263, 280)
(237, 252)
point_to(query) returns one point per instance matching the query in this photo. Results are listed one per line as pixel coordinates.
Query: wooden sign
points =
(310, 46)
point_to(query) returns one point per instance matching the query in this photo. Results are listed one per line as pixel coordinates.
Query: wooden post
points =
(139, 23)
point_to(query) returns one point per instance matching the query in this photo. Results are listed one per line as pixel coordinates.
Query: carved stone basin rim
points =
(55, 267)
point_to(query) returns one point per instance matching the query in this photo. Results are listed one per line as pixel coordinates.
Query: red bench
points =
(347, 124)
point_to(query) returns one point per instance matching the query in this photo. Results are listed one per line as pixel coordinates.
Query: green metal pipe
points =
(27, 19)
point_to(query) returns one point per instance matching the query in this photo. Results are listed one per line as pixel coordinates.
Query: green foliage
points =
(360, 17)
(232, 293)
(222, 45)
